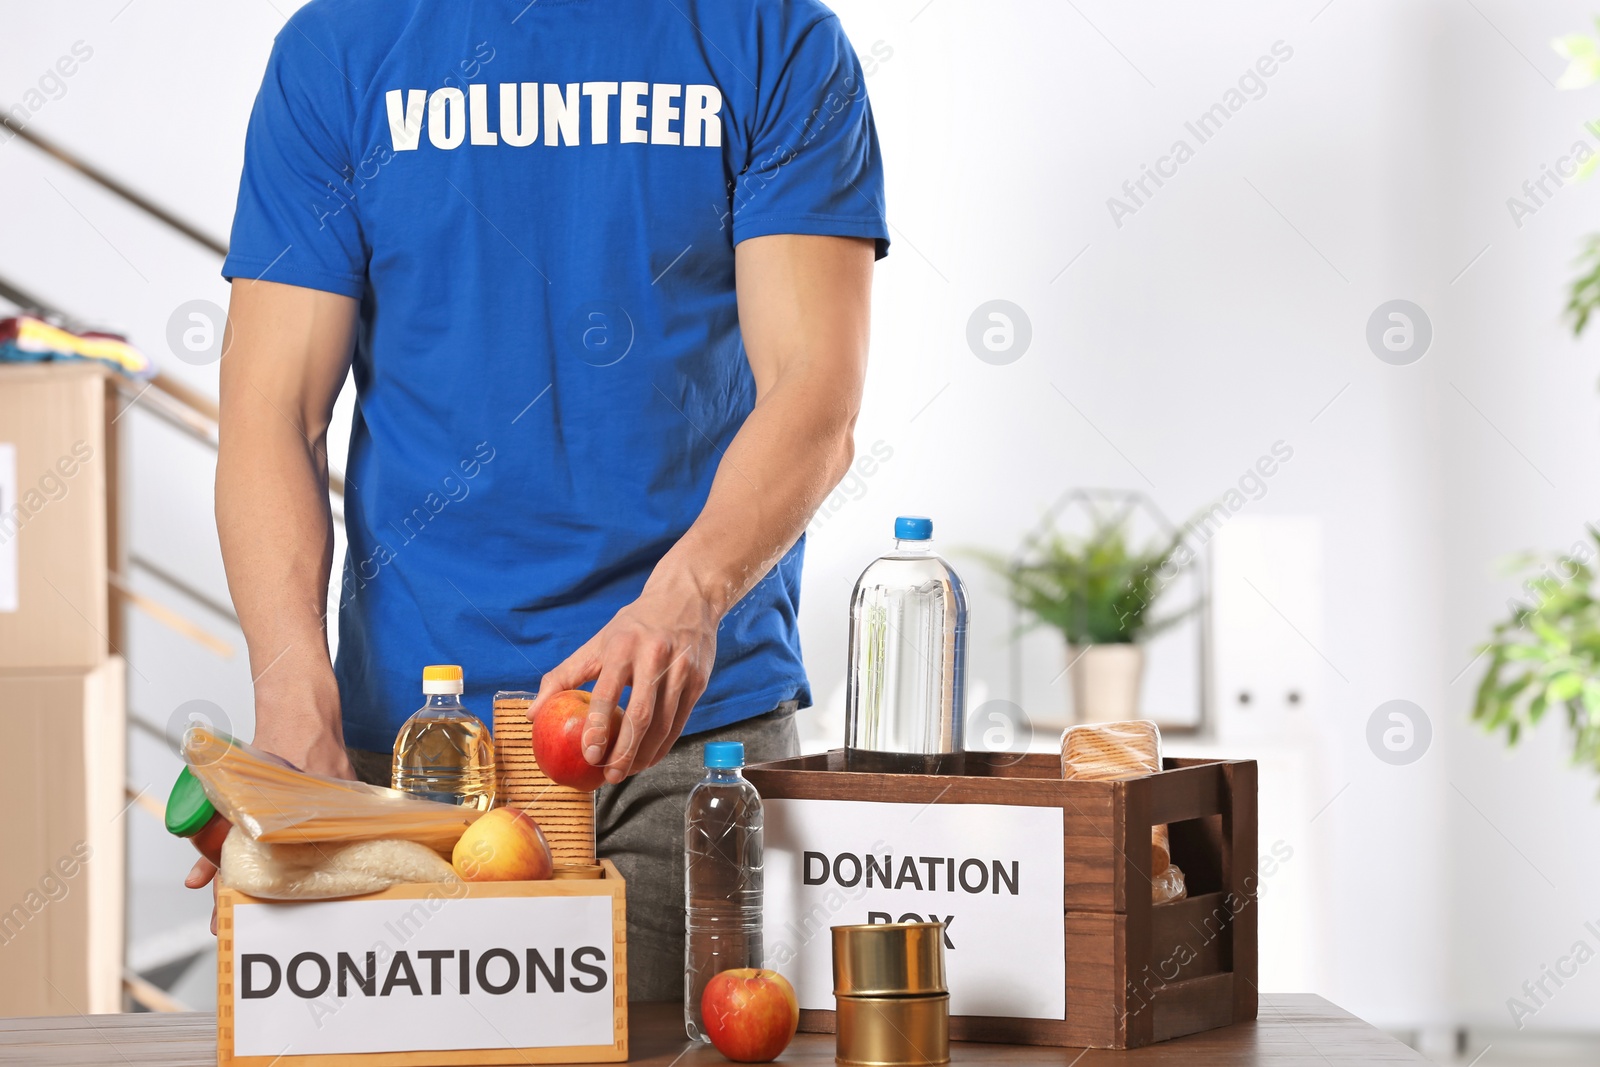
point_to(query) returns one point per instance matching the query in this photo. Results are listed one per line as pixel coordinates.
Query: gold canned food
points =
(888, 959)
(893, 1031)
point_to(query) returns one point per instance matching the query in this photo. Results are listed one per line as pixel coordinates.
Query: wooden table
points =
(1293, 1030)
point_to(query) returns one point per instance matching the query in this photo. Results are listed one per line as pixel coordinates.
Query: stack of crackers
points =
(565, 815)
(1109, 752)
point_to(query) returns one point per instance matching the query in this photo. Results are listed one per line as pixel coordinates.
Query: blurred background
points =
(1337, 311)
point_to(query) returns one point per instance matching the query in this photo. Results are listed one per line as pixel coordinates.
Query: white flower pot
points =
(1105, 681)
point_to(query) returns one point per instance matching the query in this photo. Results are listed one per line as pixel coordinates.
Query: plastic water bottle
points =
(722, 877)
(905, 700)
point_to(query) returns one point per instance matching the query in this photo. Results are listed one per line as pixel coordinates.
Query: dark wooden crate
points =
(1136, 973)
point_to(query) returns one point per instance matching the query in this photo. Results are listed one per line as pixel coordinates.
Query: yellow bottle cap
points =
(442, 672)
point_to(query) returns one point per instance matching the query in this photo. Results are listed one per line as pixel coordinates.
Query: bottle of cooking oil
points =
(444, 752)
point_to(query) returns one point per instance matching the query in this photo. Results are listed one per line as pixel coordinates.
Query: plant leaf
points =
(1547, 651)
(1095, 589)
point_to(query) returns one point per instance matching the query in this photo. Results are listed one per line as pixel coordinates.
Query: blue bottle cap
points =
(724, 753)
(913, 528)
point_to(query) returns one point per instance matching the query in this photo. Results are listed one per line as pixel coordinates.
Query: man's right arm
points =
(286, 355)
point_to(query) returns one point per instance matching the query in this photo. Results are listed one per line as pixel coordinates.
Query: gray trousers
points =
(639, 824)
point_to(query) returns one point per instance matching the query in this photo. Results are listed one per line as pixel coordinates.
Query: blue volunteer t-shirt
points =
(537, 205)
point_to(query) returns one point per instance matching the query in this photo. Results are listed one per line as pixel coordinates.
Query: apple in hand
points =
(558, 740)
(750, 1014)
(504, 845)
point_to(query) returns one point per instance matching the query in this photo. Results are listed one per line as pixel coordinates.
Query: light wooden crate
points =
(1136, 973)
(531, 913)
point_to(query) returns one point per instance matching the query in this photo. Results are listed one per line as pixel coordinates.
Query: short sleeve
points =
(296, 218)
(814, 165)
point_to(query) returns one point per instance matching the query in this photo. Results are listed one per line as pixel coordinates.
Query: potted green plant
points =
(1547, 655)
(1099, 591)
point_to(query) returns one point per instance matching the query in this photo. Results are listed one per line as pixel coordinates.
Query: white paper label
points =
(8, 527)
(538, 973)
(991, 873)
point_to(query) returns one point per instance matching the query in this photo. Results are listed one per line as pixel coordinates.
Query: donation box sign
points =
(993, 874)
(413, 975)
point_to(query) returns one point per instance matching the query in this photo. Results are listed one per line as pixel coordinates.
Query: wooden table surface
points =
(1293, 1030)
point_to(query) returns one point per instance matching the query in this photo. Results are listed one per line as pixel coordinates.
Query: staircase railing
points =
(111, 184)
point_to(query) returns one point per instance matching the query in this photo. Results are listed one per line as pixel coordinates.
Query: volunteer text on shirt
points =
(453, 118)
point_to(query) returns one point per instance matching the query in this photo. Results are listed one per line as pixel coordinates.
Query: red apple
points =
(750, 1015)
(504, 845)
(558, 740)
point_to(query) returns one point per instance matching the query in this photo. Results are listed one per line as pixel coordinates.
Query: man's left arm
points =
(804, 311)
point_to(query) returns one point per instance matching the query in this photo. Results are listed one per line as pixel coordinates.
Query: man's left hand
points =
(662, 646)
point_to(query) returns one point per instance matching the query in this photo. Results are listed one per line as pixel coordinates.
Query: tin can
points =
(893, 1031)
(888, 959)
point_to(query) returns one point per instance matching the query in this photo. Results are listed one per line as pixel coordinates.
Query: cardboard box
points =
(61, 885)
(54, 473)
(426, 975)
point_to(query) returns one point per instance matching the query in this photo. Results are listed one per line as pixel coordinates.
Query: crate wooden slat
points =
(1192, 1006)
(610, 884)
(1136, 973)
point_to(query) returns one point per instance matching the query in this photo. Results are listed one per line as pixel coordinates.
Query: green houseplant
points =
(1547, 655)
(1099, 592)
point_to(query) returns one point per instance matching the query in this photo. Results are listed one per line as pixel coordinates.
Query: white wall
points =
(1528, 479)
(1222, 317)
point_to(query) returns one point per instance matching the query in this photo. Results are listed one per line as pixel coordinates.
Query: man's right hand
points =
(300, 739)
(298, 713)
(312, 748)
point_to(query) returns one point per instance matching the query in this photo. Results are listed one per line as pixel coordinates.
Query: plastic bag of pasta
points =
(271, 801)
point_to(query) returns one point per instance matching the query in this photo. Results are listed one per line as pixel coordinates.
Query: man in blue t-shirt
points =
(601, 270)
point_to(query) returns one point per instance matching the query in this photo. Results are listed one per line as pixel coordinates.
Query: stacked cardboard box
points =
(54, 479)
(62, 716)
(61, 884)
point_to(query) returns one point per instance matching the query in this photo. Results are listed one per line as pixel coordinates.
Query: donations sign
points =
(415, 975)
(991, 873)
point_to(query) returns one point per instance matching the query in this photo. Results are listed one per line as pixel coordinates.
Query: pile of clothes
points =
(29, 339)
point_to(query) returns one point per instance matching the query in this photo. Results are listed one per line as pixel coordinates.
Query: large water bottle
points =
(905, 701)
(722, 877)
